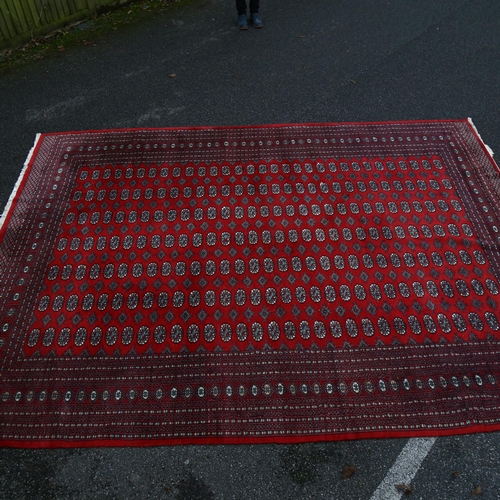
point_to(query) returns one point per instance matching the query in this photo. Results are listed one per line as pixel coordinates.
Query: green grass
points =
(86, 33)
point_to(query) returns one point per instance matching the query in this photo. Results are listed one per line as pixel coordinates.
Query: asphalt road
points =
(314, 61)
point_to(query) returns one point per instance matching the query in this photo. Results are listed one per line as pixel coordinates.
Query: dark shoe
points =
(257, 21)
(242, 22)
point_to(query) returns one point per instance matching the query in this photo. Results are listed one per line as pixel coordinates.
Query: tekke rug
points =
(251, 284)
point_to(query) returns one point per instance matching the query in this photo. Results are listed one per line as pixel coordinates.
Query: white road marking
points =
(404, 468)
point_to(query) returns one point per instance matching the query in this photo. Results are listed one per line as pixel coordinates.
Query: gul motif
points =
(263, 259)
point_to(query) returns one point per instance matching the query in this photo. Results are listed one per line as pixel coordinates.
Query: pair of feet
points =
(256, 21)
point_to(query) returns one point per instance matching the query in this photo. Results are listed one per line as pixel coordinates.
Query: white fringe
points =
(485, 145)
(18, 183)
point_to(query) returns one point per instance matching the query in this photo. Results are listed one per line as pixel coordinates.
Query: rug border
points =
(468, 121)
(233, 441)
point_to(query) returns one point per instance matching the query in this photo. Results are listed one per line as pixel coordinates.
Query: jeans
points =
(241, 6)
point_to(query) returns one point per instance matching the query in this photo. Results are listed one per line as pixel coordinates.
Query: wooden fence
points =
(22, 20)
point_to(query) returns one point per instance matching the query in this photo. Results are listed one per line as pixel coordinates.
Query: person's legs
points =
(254, 6)
(254, 12)
(241, 7)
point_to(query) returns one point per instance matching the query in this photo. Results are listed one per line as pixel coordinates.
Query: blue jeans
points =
(241, 6)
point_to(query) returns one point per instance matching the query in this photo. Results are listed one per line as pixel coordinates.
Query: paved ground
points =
(315, 60)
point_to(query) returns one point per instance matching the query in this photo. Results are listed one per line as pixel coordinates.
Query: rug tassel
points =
(490, 151)
(18, 183)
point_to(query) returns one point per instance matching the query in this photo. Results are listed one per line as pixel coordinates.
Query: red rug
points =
(251, 284)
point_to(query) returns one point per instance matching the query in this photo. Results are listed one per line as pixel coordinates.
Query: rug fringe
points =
(490, 151)
(18, 183)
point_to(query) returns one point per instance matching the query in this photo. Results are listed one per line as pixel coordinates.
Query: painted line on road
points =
(404, 468)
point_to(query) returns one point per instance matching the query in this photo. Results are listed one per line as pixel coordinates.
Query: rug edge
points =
(17, 186)
(268, 125)
(263, 440)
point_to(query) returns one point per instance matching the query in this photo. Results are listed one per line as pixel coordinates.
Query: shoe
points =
(242, 22)
(257, 21)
